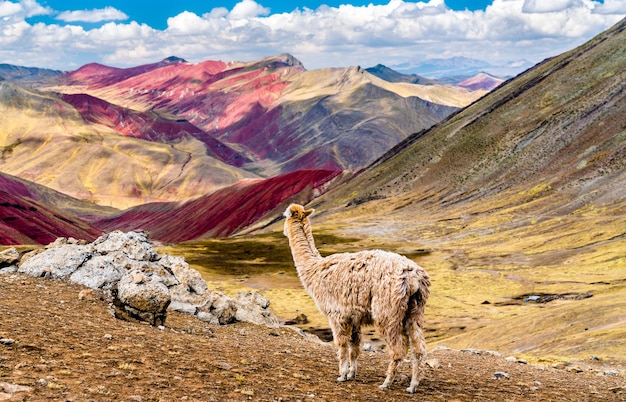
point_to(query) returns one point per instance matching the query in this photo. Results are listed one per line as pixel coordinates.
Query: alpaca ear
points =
(291, 210)
(309, 212)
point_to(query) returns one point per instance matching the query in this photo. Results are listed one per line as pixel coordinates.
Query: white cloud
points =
(22, 9)
(247, 9)
(611, 7)
(187, 23)
(95, 15)
(8, 9)
(393, 33)
(552, 6)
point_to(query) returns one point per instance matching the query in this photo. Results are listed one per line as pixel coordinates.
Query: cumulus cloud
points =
(95, 15)
(22, 9)
(611, 7)
(552, 6)
(394, 33)
(247, 9)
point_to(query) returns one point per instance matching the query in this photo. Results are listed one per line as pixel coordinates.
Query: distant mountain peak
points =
(461, 66)
(172, 60)
(284, 59)
(391, 75)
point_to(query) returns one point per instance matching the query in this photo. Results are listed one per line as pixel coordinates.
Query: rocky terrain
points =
(59, 343)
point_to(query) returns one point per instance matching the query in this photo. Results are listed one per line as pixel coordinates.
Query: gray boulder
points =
(141, 296)
(190, 287)
(143, 283)
(135, 245)
(57, 262)
(218, 309)
(253, 307)
(98, 272)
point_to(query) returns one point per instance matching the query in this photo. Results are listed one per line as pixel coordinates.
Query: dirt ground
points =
(56, 346)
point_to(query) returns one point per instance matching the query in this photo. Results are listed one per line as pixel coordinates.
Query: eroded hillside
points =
(517, 197)
(173, 130)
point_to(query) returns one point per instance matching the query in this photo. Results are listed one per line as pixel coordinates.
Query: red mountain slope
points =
(26, 219)
(95, 74)
(93, 150)
(222, 213)
(275, 112)
(149, 126)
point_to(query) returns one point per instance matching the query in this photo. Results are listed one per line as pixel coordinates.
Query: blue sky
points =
(156, 12)
(66, 34)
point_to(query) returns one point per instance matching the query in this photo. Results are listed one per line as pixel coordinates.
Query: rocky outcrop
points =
(142, 283)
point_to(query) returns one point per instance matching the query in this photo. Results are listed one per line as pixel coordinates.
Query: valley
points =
(513, 198)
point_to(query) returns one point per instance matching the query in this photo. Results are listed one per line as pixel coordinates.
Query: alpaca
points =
(363, 288)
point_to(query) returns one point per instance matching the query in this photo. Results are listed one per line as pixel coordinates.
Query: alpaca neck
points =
(302, 245)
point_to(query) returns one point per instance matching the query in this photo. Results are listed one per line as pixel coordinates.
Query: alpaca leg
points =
(340, 335)
(414, 323)
(418, 352)
(355, 350)
(397, 348)
(391, 373)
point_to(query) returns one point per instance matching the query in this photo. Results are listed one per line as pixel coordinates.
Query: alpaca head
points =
(296, 213)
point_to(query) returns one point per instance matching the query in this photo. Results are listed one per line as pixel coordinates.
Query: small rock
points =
(612, 373)
(618, 390)
(6, 341)
(513, 359)
(433, 363)
(108, 336)
(14, 388)
(575, 369)
(299, 319)
(137, 276)
(186, 308)
(11, 269)
(224, 366)
(368, 347)
(85, 294)
(501, 374)
(482, 352)
(42, 382)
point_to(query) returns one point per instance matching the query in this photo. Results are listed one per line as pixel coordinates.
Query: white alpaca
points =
(367, 287)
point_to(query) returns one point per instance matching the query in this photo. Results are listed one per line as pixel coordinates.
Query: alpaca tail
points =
(419, 290)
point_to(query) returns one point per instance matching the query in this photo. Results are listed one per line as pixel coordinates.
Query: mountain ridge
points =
(215, 122)
(522, 193)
